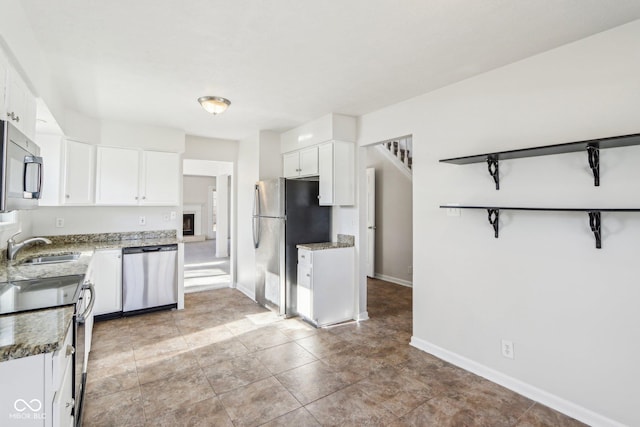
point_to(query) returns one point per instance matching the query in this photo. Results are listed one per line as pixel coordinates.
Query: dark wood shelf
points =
(519, 208)
(591, 147)
(493, 215)
(547, 150)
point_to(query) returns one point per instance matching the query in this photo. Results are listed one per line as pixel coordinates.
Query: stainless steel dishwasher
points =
(149, 278)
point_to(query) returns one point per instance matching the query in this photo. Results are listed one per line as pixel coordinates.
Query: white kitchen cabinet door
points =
(160, 178)
(4, 66)
(106, 276)
(336, 173)
(52, 174)
(117, 175)
(325, 171)
(291, 165)
(300, 163)
(309, 161)
(20, 104)
(79, 173)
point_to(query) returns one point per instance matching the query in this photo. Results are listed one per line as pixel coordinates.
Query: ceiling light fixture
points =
(214, 104)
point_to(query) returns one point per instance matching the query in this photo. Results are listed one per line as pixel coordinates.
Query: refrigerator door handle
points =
(256, 217)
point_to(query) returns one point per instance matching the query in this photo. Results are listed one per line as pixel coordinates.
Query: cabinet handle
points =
(70, 404)
(144, 197)
(136, 197)
(302, 256)
(308, 275)
(70, 351)
(67, 196)
(318, 197)
(12, 116)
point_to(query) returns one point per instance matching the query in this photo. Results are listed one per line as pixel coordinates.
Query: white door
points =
(371, 221)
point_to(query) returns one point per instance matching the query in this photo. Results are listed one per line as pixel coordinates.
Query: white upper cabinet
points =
(300, 163)
(133, 177)
(117, 174)
(336, 170)
(4, 67)
(19, 104)
(159, 178)
(79, 173)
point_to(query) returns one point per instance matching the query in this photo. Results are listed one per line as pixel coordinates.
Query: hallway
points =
(202, 270)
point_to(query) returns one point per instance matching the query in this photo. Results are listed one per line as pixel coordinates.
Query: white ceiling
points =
(285, 62)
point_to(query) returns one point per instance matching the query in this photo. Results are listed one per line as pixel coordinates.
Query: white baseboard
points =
(362, 316)
(559, 404)
(251, 294)
(393, 280)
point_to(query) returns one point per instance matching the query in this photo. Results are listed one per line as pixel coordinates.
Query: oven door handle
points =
(89, 286)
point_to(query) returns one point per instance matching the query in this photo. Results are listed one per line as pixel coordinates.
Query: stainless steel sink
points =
(51, 259)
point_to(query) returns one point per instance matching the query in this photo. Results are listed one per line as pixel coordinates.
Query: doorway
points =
(206, 203)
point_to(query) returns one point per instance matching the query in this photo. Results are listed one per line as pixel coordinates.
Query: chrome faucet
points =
(13, 248)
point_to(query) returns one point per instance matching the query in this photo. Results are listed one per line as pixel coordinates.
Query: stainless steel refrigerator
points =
(286, 213)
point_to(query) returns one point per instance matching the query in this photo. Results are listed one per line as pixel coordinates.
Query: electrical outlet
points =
(142, 220)
(165, 216)
(507, 349)
(173, 215)
(59, 222)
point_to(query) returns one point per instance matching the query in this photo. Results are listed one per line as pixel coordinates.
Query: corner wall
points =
(570, 309)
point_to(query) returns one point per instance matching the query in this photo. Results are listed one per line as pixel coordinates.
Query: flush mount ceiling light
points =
(214, 104)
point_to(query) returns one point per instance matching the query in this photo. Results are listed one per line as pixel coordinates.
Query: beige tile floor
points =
(225, 361)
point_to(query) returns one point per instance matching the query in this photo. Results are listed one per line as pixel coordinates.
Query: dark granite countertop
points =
(34, 332)
(43, 331)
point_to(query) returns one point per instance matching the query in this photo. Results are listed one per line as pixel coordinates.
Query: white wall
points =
(103, 219)
(258, 158)
(210, 149)
(571, 310)
(394, 233)
(22, 224)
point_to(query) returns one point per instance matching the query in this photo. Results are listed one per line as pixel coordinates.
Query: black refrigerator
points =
(285, 213)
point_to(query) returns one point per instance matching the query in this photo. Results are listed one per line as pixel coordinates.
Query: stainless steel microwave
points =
(21, 170)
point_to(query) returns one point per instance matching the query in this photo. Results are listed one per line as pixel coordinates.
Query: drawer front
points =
(304, 257)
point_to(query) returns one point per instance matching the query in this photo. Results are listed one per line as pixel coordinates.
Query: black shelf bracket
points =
(494, 168)
(594, 223)
(594, 163)
(493, 215)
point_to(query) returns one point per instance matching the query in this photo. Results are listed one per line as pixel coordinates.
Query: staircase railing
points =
(400, 152)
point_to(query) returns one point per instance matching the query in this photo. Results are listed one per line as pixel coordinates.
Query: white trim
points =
(246, 291)
(571, 409)
(395, 280)
(396, 162)
(363, 316)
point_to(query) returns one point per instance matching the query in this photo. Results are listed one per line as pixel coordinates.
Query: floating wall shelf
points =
(592, 147)
(493, 213)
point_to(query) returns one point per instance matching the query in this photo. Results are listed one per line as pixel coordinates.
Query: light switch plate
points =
(59, 222)
(142, 220)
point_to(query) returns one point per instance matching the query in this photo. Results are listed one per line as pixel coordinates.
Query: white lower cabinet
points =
(106, 276)
(37, 390)
(326, 291)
